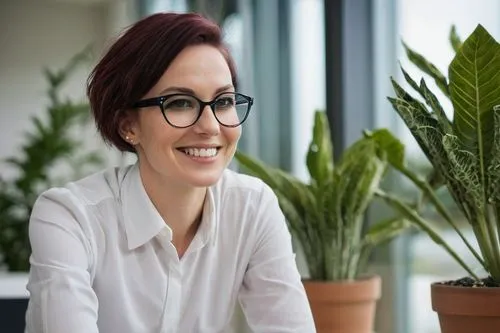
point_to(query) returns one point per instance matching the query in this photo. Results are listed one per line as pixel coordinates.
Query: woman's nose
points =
(207, 123)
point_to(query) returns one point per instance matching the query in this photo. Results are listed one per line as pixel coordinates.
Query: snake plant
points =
(464, 151)
(327, 214)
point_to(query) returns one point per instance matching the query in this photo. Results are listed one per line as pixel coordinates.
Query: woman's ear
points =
(128, 127)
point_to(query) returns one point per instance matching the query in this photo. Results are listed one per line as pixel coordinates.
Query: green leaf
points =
(429, 134)
(410, 81)
(427, 67)
(386, 230)
(294, 219)
(257, 168)
(455, 41)
(320, 154)
(362, 168)
(436, 107)
(493, 172)
(464, 168)
(282, 183)
(475, 89)
(392, 147)
(430, 99)
(425, 129)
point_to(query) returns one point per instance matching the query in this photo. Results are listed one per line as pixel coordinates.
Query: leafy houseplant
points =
(50, 144)
(465, 155)
(327, 215)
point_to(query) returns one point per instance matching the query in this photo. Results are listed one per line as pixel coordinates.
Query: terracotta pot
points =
(344, 307)
(466, 309)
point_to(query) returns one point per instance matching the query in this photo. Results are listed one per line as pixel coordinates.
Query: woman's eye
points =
(225, 102)
(179, 104)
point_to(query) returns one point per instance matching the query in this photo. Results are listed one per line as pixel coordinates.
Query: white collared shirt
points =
(103, 261)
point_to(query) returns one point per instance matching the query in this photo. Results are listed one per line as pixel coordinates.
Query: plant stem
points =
(496, 212)
(425, 186)
(492, 233)
(413, 216)
(479, 228)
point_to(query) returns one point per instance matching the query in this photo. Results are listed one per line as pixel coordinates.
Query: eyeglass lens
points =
(230, 109)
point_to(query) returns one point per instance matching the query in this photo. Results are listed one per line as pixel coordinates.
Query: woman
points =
(171, 243)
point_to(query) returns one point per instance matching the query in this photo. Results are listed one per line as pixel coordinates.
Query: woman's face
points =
(195, 156)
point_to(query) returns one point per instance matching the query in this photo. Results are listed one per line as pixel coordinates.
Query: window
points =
(308, 80)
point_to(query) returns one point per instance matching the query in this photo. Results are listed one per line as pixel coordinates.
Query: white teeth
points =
(201, 152)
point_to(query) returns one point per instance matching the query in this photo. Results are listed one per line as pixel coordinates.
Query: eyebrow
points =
(191, 91)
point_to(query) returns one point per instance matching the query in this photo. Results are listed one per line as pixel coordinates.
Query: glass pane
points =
(308, 75)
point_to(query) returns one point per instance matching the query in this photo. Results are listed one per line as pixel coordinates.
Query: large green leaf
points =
(474, 77)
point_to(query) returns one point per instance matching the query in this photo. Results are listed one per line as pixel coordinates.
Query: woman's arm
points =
(272, 295)
(61, 296)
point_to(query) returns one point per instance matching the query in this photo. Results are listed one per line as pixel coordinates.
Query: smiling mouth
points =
(200, 152)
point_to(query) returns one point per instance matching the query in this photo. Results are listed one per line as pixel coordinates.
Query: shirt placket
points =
(172, 303)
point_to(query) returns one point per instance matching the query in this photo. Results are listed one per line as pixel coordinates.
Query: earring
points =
(129, 139)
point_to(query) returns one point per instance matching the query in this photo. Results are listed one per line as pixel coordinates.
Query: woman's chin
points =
(204, 179)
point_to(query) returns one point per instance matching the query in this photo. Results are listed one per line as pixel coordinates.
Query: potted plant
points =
(50, 144)
(50, 154)
(465, 157)
(327, 217)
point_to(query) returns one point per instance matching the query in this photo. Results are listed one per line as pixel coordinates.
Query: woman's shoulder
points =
(232, 180)
(92, 189)
(242, 187)
(246, 206)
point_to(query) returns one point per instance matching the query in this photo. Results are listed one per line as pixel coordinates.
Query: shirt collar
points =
(207, 229)
(143, 222)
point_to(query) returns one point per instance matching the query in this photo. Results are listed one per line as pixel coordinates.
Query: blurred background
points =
(293, 56)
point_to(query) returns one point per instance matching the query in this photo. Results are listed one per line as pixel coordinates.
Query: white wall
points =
(35, 34)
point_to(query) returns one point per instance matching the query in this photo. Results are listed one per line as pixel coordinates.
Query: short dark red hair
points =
(138, 59)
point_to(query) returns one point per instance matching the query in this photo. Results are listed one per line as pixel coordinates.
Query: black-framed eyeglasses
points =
(230, 109)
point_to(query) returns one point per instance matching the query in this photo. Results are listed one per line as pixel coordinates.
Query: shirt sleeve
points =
(61, 296)
(272, 295)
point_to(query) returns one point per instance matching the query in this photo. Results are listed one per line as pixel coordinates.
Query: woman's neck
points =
(179, 205)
